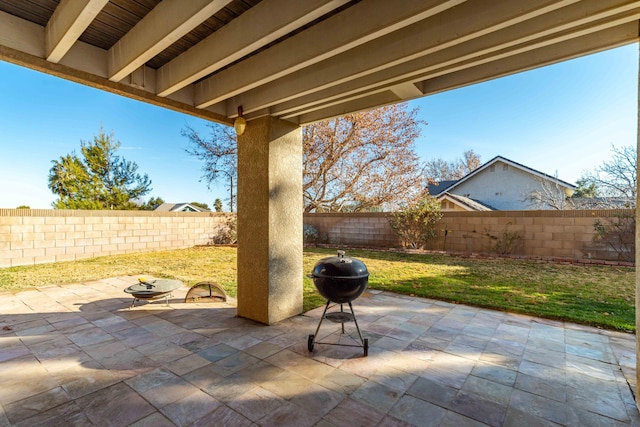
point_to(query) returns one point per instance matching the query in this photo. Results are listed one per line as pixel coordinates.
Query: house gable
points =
(436, 188)
(453, 202)
(505, 185)
(178, 207)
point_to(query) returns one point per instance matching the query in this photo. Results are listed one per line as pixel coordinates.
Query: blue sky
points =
(559, 119)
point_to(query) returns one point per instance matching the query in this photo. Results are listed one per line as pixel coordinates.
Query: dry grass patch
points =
(595, 295)
(189, 265)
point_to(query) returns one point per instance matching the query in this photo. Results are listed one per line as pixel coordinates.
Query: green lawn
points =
(595, 295)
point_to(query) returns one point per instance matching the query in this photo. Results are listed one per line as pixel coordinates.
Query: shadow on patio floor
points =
(77, 355)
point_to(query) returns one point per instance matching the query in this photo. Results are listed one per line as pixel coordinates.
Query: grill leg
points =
(356, 322)
(322, 318)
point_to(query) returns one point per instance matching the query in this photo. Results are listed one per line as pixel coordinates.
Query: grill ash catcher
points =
(340, 280)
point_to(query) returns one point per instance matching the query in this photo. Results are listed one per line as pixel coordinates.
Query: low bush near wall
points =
(310, 233)
(416, 224)
(505, 242)
(227, 233)
(618, 233)
(535, 234)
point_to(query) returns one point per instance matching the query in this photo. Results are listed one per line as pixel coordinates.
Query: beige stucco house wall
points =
(503, 184)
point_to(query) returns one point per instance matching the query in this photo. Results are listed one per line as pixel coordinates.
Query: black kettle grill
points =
(340, 280)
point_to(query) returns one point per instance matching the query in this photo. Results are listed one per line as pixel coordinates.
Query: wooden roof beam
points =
(447, 30)
(160, 28)
(539, 32)
(363, 22)
(70, 19)
(568, 49)
(257, 27)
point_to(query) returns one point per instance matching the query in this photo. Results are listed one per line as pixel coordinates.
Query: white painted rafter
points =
(589, 43)
(587, 17)
(406, 90)
(67, 24)
(567, 49)
(259, 26)
(161, 27)
(387, 56)
(439, 33)
(363, 22)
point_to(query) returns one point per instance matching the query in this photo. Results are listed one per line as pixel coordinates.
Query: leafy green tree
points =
(153, 203)
(415, 223)
(69, 179)
(217, 205)
(585, 189)
(99, 179)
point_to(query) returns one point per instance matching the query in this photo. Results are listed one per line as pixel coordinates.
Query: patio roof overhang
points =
(301, 61)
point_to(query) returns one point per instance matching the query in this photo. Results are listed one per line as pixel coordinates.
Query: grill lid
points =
(339, 267)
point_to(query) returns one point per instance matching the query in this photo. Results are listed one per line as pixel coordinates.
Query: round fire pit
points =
(152, 289)
(340, 280)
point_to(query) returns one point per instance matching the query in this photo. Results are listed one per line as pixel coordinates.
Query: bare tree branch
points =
(549, 195)
(219, 154)
(437, 170)
(362, 160)
(355, 162)
(615, 180)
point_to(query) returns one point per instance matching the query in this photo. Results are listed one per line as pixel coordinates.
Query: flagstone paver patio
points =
(77, 355)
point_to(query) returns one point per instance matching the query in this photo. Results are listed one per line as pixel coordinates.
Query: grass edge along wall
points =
(34, 236)
(553, 234)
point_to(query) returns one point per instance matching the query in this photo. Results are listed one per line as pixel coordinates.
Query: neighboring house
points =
(439, 187)
(179, 207)
(453, 202)
(501, 184)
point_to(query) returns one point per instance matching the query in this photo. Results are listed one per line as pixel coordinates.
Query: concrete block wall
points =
(356, 229)
(34, 236)
(561, 234)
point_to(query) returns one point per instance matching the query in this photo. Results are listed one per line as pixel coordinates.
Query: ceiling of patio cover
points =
(301, 61)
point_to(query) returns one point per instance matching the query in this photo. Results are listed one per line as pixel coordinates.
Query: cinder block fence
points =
(550, 234)
(34, 236)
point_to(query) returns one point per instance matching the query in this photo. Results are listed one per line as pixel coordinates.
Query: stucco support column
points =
(270, 220)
